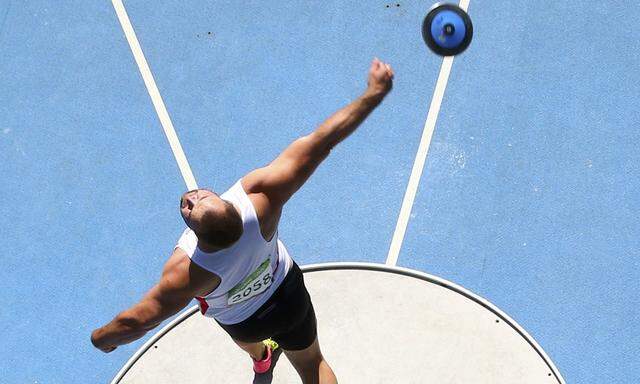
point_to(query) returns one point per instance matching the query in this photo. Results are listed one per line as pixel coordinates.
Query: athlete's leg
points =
(311, 365)
(257, 350)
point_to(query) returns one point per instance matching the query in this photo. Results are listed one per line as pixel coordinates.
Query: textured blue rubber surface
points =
(529, 196)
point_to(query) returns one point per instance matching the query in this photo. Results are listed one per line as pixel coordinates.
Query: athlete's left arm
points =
(176, 288)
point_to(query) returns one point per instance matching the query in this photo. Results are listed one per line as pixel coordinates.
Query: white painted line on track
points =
(421, 156)
(158, 104)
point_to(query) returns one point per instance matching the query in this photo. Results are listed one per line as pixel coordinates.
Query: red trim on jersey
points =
(203, 304)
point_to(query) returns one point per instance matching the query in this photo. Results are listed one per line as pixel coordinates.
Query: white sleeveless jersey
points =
(250, 270)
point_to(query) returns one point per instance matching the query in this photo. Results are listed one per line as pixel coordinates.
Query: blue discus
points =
(447, 29)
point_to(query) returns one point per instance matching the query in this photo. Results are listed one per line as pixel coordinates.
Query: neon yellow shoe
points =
(264, 365)
(271, 344)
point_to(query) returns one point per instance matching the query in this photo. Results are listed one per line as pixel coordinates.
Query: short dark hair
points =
(221, 230)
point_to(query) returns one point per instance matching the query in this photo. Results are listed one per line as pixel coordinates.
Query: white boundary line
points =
(158, 104)
(421, 156)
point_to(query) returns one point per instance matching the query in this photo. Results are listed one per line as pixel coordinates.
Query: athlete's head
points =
(215, 221)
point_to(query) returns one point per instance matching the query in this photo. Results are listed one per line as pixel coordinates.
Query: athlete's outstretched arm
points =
(289, 171)
(176, 288)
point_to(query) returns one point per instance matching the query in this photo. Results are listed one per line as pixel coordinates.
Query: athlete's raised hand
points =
(380, 78)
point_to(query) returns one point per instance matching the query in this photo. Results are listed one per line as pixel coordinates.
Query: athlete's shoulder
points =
(252, 181)
(187, 242)
(267, 212)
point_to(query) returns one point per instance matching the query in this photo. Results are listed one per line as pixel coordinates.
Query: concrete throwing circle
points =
(376, 324)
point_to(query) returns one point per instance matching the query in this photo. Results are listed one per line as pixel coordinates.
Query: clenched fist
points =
(380, 79)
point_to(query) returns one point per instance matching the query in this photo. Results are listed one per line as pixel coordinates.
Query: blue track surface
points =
(529, 196)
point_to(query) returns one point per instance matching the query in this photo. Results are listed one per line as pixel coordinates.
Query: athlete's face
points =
(194, 203)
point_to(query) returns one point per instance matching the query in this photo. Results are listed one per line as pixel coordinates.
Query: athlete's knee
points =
(311, 366)
(325, 373)
(319, 373)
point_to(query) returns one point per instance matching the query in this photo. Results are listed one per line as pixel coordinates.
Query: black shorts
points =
(287, 317)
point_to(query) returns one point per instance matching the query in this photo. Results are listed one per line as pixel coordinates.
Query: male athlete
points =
(230, 259)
